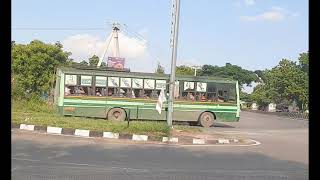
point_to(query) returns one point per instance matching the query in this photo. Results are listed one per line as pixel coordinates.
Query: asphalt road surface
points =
(283, 154)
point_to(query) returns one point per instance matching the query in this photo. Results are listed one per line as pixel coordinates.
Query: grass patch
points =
(39, 113)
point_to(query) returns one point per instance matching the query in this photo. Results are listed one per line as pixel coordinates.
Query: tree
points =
(94, 60)
(304, 62)
(184, 70)
(235, 72)
(34, 64)
(261, 75)
(160, 69)
(83, 62)
(284, 83)
(103, 64)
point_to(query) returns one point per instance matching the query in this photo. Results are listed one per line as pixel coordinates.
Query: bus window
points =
(137, 86)
(70, 83)
(85, 88)
(100, 86)
(212, 92)
(200, 97)
(125, 90)
(226, 92)
(112, 91)
(188, 92)
(113, 84)
(100, 91)
(69, 91)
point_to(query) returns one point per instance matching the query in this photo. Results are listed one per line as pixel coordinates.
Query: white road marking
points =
(78, 164)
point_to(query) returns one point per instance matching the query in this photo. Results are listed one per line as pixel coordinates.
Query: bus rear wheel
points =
(116, 114)
(206, 119)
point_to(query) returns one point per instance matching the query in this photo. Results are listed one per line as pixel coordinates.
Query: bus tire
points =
(117, 114)
(206, 119)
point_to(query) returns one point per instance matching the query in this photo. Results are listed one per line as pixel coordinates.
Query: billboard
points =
(116, 62)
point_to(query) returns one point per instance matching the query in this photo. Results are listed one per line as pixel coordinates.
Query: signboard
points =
(116, 62)
(201, 87)
(188, 86)
(71, 80)
(149, 83)
(161, 84)
(86, 80)
(101, 81)
(125, 82)
(113, 81)
(137, 83)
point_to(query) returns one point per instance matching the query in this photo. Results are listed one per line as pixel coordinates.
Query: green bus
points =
(120, 95)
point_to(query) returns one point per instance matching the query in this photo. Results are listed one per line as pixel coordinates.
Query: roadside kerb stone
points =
(111, 135)
(172, 139)
(223, 141)
(54, 130)
(198, 141)
(134, 137)
(137, 137)
(82, 132)
(27, 127)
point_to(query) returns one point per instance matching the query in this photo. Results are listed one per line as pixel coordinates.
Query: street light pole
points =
(173, 63)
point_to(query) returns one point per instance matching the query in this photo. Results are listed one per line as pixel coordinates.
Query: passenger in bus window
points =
(98, 93)
(190, 96)
(203, 98)
(67, 91)
(104, 91)
(81, 91)
(121, 93)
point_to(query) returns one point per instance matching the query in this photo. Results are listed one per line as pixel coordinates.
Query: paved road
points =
(283, 154)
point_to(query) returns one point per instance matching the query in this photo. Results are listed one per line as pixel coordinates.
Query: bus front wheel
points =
(116, 114)
(206, 119)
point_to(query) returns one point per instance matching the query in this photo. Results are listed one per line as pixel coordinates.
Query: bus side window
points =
(101, 91)
(201, 97)
(69, 90)
(112, 91)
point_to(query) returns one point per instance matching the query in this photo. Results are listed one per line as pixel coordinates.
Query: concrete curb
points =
(112, 135)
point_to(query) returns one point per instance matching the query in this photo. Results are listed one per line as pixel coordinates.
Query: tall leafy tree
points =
(284, 83)
(230, 71)
(33, 65)
(94, 60)
(184, 70)
(304, 62)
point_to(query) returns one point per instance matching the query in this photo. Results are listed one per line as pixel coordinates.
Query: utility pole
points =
(173, 63)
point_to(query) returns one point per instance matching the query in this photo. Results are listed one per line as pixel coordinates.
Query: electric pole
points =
(173, 62)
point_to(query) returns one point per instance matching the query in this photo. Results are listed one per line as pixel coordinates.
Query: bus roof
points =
(126, 72)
